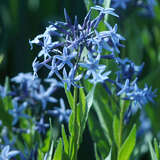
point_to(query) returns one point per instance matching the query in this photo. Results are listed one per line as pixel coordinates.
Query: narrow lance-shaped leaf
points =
(96, 153)
(50, 151)
(109, 156)
(128, 146)
(59, 151)
(65, 140)
(89, 102)
(156, 148)
(69, 97)
(116, 126)
(152, 152)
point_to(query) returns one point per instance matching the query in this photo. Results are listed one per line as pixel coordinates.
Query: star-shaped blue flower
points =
(66, 58)
(18, 111)
(70, 79)
(6, 154)
(60, 112)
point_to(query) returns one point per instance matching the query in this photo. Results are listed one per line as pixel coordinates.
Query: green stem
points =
(106, 5)
(75, 122)
(121, 124)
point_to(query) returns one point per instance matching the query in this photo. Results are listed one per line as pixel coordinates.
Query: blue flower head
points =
(41, 126)
(67, 54)
(60, 112)
(138, 97)
(127, 69)
(6, 154)
(120, 3)
(18, 111)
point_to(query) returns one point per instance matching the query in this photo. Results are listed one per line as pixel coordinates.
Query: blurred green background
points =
(21, 20)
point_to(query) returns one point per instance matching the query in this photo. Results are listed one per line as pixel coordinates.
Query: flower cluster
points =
(80, 50)
(27, 93)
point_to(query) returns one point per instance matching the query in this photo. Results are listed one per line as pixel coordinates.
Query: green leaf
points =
(96, 153)
(89, 102)
(102, 121)
(109, 156)
(153, 154)
(59, 151)
(128, 146)
(89, 97)
(82, 100)
(69, 97)
(40, 154)
(50, 151)
(4, 115)
(116, 127)
(97, 134)
(65, 140)
(156, 148)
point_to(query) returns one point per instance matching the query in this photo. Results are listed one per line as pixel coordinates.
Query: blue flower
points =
(21, 77)
(17, 111)
(70, 79)
(145, 125)
(120, 3)
(114, 36)
(53, 69)
(53, 82)
(41, 126)
(6, 154)
(65, 58)
(45, 96)
(105, 11)
(3, 91)
(138, 97)
(45, 41)
(128, 69)
(100, 77)
(60, 112)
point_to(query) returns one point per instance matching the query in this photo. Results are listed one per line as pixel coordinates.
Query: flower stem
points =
(122, 109)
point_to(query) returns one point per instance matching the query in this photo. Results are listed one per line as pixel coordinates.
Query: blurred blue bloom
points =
(65, 58)
(138, 97)
(127, 69)
(98, 2)
(21, 77)
(25, 87)
(120, 3)
(45, 95)
(53, 82)
(60, 112)
(6, 154)
(5, 137)
(41, 126)
(70, 79)
(145, 125)
(17, 111)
